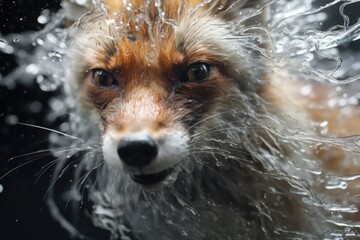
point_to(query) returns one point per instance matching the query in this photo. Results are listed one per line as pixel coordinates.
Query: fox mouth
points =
(154, 178)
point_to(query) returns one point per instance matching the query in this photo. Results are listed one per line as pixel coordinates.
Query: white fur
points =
(172, 149)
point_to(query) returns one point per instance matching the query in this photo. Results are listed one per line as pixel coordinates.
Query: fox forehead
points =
(129, 39)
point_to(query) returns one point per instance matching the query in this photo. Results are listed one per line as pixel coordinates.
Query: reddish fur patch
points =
(151, 73)
(339, 123)
(100, 96)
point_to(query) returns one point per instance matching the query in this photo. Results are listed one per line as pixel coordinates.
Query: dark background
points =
(23, 212)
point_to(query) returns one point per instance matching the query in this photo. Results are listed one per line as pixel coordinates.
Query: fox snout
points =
(150, 159)
(138, 142)
(137, 150)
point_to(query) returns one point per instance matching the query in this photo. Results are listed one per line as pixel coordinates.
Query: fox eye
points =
(198, 72)
(102, 78)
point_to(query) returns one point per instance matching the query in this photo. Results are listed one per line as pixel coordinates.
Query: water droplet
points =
(11, 119)
(47, 84)
(16, 40)
(306, 90)
(336, 184)
(81, 2)
(32, 69)
(110, 21)
(339, 208)
(131, 37)
(64, 127)
(6, 48)
(35, 107)
(55, 56)
(129, 7)
(147, 203)
(42, 19)
(39, 41)
(193, 211)
(1, 188)
(3, 43)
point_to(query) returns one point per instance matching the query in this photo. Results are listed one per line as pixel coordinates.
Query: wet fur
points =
(238, 180)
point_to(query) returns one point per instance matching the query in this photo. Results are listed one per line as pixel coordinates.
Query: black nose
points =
(137, 151)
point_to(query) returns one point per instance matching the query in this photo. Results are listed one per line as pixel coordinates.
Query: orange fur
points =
(284, 93)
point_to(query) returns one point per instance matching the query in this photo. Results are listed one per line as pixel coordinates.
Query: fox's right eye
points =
(102, 78)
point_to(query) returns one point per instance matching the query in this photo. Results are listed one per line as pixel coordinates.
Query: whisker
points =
(37, 155)
(46, 167)
(21, 165)
(77, 117)
(217, 150)
(207, 118)
(39, 152)
(81, 181)
(219, 129)
(29, 154)
(49, 165)
(226, 153)
(52, 130)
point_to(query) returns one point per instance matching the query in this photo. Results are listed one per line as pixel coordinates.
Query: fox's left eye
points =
(198, 72)
(102, 78)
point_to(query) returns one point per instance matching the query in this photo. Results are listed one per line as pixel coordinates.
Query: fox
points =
(199, 136)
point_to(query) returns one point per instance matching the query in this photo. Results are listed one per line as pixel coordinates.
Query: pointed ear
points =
(73, 9)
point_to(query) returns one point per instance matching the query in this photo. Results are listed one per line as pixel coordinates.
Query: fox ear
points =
(73, 9)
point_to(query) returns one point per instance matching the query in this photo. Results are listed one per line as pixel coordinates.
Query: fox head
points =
(154, 74)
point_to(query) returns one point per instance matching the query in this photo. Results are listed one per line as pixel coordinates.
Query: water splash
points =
(38, 54)
(295, 41)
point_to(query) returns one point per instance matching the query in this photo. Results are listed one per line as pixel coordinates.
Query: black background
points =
(23, 212)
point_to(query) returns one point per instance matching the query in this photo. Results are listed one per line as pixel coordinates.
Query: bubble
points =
(55, 56)
(110, 21)
(336, 184)
(46, 84)
(64, 127)
(11, 119)
(3, 43)
(306, 90)
(56, 104)
(32, 69)
(81, 2)
(39, 41)
(42, 19)
(5, 47)
(51, 38)
(36, 107)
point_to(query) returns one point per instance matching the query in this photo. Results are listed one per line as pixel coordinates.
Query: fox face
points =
(187, 108)
(149, 83)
